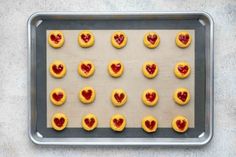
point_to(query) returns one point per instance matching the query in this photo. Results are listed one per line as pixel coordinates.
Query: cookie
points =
(59, 121)
(182, 70)
(58, 96)
(181, 96)
(183, 39)
(149, 124)
(118, 97)
(115, 68)
(150, 69)
(86, 39)
(180, 124)
(57, 69)
(89, 122)
(118, 122)
(119, 39)
(151, 40)
(87, 95)
(86, 68)
(56, 39)
(150, 97)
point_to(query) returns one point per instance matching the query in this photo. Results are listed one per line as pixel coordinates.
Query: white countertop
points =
(14, 139)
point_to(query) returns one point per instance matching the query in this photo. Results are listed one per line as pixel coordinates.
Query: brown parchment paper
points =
(132, 81)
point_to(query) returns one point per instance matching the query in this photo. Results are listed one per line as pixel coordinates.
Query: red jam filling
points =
(152, 38)
(182, 96)
(119, 97)
(57, 69)
(87, 94)
(181, 124)
(89, 122)
(151, 68)
(150, 125)
(59, 122)
(86, 68)
(86, 37)
(119, 38)
(183, 69)
(184, 38)
(151, 96)
(56, 38)
(118, 122)
(116, 67)
(57, 96)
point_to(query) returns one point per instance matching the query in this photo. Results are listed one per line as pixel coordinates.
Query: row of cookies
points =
(118, 123)
(118, 39)
(115, 68)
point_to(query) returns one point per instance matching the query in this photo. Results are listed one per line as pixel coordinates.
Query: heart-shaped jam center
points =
(86, 37)
(150, 124)
(56, 38)
(87, 94)
(151, 96)
(184, 38)
(151, 68)
(182, 96)
(152, 38)
(57, 96)
(86, 68)
(116, 67)
(89, 122)
(57, 68)
(183, 69)
(119, 38)
(119, 97)
(118, 122)
(181, 124)
(59, 122)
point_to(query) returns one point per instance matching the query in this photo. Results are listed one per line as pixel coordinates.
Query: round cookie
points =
(150, 97)
(86, 39)
(150, 69)
(118, 122)
(180, 124)
(57, 69)
(151, 40)
(58, 96)
(181, 96)
(86, 68)
(182, 70)
(149, 124)
(59, 121)
(56, 39)
(183, 39)
(115, 68)
(119, 39)
(118, 97)
(87, 95)
(89, 122)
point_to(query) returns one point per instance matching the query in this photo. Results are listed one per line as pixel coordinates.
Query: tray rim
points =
(202, 140)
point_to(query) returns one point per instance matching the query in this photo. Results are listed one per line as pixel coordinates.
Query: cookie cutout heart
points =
(183, 69)
(86, 37)
(181, 124)
(57, 68)
(151, 96)
(182, 96)
(59, 122)
(150, 125)
(119, 97)
(151, 68)
(56, 38)
(152, 38)
(118, 122)
(119, 38)
(184, 38)
(87, 94)
(89, 122)
(116, 67)
(86, 68)
(57, 96)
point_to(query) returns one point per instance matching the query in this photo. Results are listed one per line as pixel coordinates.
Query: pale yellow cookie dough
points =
(86, 39)
(119, 39)
(59, 121)
(57, 69)
(89, 122)
(151, 40)
(183, 39)
(180, 124)
(181, 96)
(118, 122)
(182, 70)
(149, 124)
(87, 95)
(86, 68)
(150, 69)
(118, 97)
(58, 96)
(150, 97)
(115, 68)
(56, 39)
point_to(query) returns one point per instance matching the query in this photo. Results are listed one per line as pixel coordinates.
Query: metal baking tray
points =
(200, 22)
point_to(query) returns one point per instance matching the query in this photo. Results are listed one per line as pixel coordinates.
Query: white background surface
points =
(14, 140)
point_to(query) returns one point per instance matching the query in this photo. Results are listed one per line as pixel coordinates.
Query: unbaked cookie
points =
(86, 39)
(180, 124)
(149, 124)
(56, 39)
(59, 121)
(89, 122)
(181, 96)
(150, 69)
(182, 70)
(118, 97)
(86, 68)
(115, 68)
(118, 122)
(183, 39)
(119, 39)
(58, 96)
(57, 69)
(87, 95)
(151, 40)
(150, 97)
